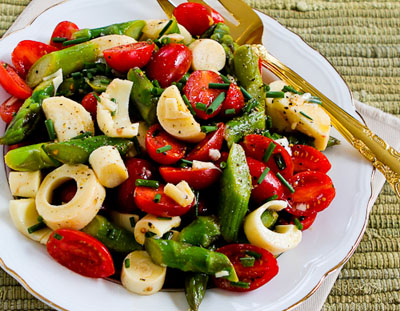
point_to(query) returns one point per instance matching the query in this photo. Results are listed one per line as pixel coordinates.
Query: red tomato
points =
(234, 100)
(166, 207)
(217, 18)
(157, 138)
(314, 191)
(9, 108)
(307, 158)
(269, 186)
(27, 52)
(197, 91)
(169, 64)
(196, 178)
(213, 140)
(89, 102)
(80, 253)
(63, 29)
(255, 146)
(12, 82)
(263, 270)
(137, 169)
(195, 17)
(124, 57)
(223, 158)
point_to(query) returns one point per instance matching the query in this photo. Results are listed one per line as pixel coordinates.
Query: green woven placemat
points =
(362, 40)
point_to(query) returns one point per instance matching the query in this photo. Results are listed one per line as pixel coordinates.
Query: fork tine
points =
(167, 6)
(240, 10)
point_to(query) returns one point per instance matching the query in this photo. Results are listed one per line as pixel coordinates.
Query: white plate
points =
(327, 245)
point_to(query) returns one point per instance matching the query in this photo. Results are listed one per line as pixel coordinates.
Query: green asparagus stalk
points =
(201, 232)
(195, 289)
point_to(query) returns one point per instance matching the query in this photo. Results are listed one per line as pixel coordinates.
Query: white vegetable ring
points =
(83, 207)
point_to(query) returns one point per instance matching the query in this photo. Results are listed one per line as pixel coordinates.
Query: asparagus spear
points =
(195, 289)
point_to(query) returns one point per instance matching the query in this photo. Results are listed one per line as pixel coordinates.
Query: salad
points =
(169, 151)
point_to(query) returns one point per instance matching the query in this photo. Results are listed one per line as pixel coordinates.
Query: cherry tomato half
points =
(89, 102)
(314, 191)
(265, 267)
(157, 138)
(197, 91)
(307, 158)
(217, 18)
(12, 82)
(80, 253)
(9, 108)
(196, 178)
(195, 17)
(124, 57)
(27, 52)
(65, 30)
(234, 100)
(269, 186)
(255, 147)
(137, 169)
(213, 140)
(166, 207)
(169, 64)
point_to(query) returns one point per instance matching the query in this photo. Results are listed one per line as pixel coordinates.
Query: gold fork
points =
(249, 30)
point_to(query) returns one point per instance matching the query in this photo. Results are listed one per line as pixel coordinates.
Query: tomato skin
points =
(80, 253)
(12, 82)
(89, 102)
(144, 200)
(217, 18)
(137, 169)
(255, 146)
(197, 91)
(213, 140)
(270, 185)
(196, 178)
(124, 57)
(234, 100)
(169, 64)
(313, 189)
(9, 108)
(63, 29)
(156, 138)
(195, 17)
(27, 52)
(264, 269)
(307, 158)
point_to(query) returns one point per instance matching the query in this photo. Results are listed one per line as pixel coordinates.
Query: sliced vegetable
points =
(10, 108)
(234, 100)
(12, 82)
(89, 102)
(63, 32)
(307, 158)
(195, 17)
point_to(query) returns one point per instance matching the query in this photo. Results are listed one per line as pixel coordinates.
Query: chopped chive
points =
(157, 198)
(5, 65)
(201, 106)
(105, 81)
(76, 74)
(315, 100)
(271, 198)
(254, 254)
(132, 221)
(92, 70)
(306, 115)
(288, 88)
(113, 113)
(250, 105)
(266, 87)
(241, 284)
(216, 103)
(245, 93)
(97, 97)
(156, 84)
(127, 263)
(57, 236)
(164, 149)
(89, 75)
(36, 227)
(59, 39)
(40, 219)
(247, 261)
(165, 28)
(113, 100)
(50, 129)
(298, 224)
(269, 151)
(230, 111)
(208, 128)
(225, 78)
(280, 161)
(285, 182)
(147, 183)
(222, 165)
(165, 41)
(164, 218)
(275, 94)
(262, 176)
(187, 103)
(83, 135)
(223, 86)
(186, 161)
(75, 41)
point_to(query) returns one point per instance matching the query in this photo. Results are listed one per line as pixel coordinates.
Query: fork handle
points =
(382, 156)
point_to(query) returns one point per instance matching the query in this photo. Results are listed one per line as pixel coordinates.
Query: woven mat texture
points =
(362, 40)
